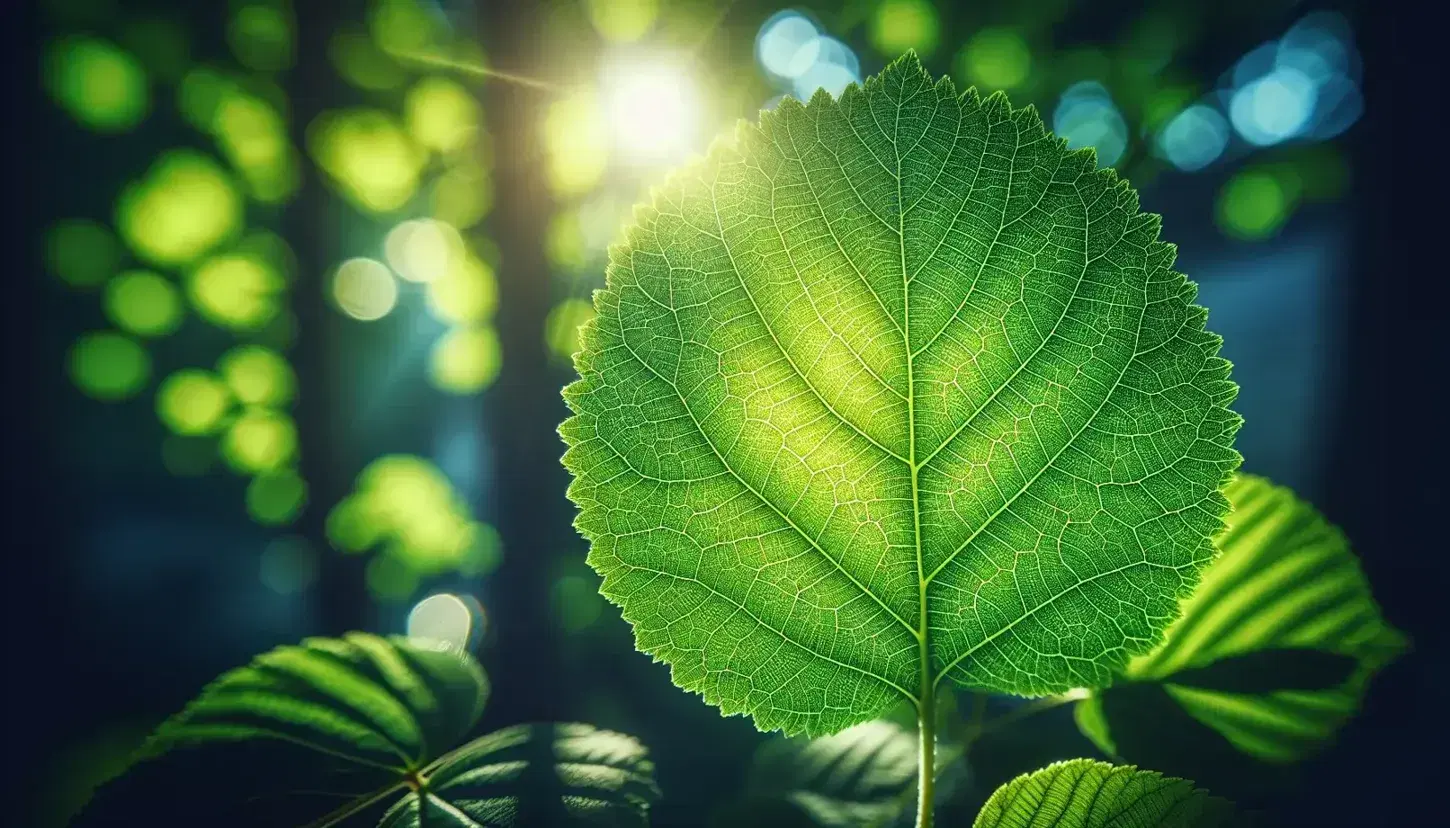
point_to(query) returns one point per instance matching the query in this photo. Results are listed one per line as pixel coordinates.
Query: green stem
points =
(926, 734)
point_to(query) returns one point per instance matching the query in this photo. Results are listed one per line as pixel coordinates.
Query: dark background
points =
(130, 588)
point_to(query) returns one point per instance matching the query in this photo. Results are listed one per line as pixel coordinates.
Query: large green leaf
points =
(1082, 793)
(1272, 653)
(863, 776)
(546, 774)
(893, 389)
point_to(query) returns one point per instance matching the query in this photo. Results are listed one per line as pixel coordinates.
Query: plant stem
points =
(926, 736)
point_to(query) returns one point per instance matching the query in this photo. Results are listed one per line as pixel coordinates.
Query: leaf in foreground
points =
(326, 729)
(545, 774)
(1272, 653)
(336, 729)
(890, 390)
(1082, 793)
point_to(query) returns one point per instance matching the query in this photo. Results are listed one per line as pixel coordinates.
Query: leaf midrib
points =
(921, 630)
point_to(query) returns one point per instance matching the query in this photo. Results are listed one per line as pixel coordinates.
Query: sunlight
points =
(653, 109)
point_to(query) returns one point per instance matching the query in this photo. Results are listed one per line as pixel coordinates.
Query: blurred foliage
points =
(408, 510)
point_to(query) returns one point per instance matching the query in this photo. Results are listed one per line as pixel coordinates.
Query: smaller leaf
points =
(540, 774)
(1269, 657)
(1082, 793)
(278, 741)
(383, 703)
(865, 775)
(1268, 671)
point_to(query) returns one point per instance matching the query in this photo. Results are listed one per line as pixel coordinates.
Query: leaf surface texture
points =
(545, 774)
(892, 390)
(1082, 793)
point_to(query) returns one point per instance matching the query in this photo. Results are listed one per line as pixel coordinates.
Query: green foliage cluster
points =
(890, 395)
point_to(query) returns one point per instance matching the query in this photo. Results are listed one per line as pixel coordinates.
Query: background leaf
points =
(865, 775)
(1085, 794)
(388, 703)
(1271, 655)
(331, 726)
(894, 381)
(542, 774)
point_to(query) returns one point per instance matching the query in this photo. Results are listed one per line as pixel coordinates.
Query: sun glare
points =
(653, 110)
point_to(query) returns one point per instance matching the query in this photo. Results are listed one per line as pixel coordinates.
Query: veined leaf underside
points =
(892, 382)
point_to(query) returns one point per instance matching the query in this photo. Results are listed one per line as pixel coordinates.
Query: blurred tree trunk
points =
(342, 599)
(533, 516)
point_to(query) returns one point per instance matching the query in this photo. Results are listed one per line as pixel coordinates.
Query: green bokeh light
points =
(441, 115)
(466, 294)
(462, 195)
(1160, 106)
(622, 21)
(561, 327)
(184, 206)
(564, 242)
(82, 253)
(276, 498)
(109, 366)
(423, 250)
(575, 139)
(258, 376)
(364, 289)
(200, 95)
(192, 402)
(237, 291)
(576, 602)
(1254, 205)
(406, 505)
(143, 303)
(260, 440)
(898, 25)
(995, 58)
(261, 36)
(99, 84)
(253, 136)
(465, 360)
(403, 27)
(361, 63)
(271, 250)
(375, 164)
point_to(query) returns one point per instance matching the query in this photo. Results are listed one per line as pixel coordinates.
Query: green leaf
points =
(331, 727)
(893, 389)
(392, 704)
(1272, 653)
(544, 774)
(863, 776)
(1082, 793)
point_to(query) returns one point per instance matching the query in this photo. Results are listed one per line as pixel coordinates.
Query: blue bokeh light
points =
(836, 68)
(1086, 117)
(1303, 86)
(788, 45)
(1340, 105)
(800, 59)
(1195, 138)
(1274, 108)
